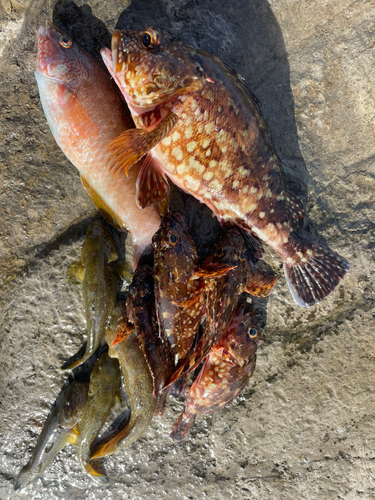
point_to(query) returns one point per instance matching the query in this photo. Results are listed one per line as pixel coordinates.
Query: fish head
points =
(71, 404)
(242, 336)
(174, 247)
(151, 67)
(59, 57)
(99, 240)
(229, 250)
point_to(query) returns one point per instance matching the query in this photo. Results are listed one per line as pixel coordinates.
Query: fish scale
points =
(212, 141)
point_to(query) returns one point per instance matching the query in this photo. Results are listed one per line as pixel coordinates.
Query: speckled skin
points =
(142, 313)
(85, 113)
(138, 385)
(99, 285)
(223, 292)
(105, 382)
(216, 146)
(224, 374)
(179, 294)
(59, 429)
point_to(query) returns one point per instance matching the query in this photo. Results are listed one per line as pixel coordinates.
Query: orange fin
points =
(191, 299)
(213, 270)
(163, 207)
(131, 145)
(123, 332)
(260, 284)
(103, 208)
(81, 126)
(152, 186)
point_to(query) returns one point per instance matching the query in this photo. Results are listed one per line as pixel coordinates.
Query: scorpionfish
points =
(198, 125)
(225, 373)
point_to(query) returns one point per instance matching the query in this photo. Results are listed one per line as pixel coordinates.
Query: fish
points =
(138, 384)
(142, 315)
(179, 284)
(198, 126)
(225, 373)
(100, 277)
(105, 384)
(234, 251)
(85, 112)
(59, 429)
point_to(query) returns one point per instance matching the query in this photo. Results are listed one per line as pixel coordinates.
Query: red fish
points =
(199, 126)
(85, 113)
(224, 375)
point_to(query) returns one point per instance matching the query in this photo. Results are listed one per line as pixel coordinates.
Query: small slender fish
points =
(138, 385)
(60, 428)
(179, 284)
(85, 113)
(225, 373)
(236, 252)
(99, 271)
(105, 383)
(198, 125)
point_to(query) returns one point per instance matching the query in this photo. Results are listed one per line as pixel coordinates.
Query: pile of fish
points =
(189, 119)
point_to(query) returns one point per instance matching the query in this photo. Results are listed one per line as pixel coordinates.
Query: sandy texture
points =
(304, 428)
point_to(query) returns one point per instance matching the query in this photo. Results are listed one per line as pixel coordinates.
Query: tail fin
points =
(182, 426)
(313, 272)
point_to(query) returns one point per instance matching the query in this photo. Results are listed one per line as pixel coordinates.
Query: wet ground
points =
(304, 427)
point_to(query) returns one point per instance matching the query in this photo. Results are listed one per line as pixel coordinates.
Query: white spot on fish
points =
(190, 146)
(261, 215)
(208, 176)
(177, 153)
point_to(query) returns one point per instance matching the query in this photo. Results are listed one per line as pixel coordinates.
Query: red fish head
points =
(174, 247)
(59, 57)
(152, 68)
(241, 338)
(229, 250)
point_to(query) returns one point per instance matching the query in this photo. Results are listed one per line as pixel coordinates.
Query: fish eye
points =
(172, 239)
(253, 333)
(220, 252)
(65, 41)
(150, 38)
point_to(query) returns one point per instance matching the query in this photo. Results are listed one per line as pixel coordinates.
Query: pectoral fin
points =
(131, 145)
(260, 284)
(75, 272)
(122, 333)
(152, 186)
(213, 270)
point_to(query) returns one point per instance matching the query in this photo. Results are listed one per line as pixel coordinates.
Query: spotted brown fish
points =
(225, 372)
(199, 126)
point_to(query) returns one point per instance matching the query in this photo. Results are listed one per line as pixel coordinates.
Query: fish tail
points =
(312, 272)
(182, 426)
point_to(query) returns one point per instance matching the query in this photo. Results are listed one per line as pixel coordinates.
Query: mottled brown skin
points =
(138, 385)
(216, 146)
(100, 273)
(142, 314)
(222, 293)
(224, 374)
(175, 264)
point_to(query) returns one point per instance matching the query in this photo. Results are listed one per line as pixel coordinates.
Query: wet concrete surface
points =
(304, 426)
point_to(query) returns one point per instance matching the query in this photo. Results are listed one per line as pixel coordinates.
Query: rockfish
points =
(85, 113)
(225, 372)
(197, 124)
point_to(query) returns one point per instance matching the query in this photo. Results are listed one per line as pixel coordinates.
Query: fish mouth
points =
(48, 50)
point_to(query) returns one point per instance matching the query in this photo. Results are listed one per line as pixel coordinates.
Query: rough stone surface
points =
(304, 428)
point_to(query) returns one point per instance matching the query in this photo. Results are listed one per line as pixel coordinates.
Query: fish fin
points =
(131, 145)
(103, 208)
(260, 284)
(213, 270)
(312, 272)
(160, 408)
(152, 186)
(123, 332)
(241, 80)
(75, 272)
(95, 467)
(182, 426)
(125, 271)
(294, 208)
(83, 126)
(178, 388)
(163, 207)
(254, 248)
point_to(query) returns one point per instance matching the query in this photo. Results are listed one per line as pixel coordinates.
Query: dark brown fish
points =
(224, 374)
(199, 126)
(179, 284)
(222, 293)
